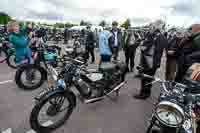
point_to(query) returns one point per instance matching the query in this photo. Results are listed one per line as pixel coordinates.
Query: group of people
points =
(109, 43)
(181, 52)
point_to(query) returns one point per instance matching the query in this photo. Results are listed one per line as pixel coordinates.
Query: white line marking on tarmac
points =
(44, 124)
(9, 130)
(6, 81)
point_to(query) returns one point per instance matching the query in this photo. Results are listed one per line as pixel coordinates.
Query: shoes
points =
(141, 96)
(155, 131)
(127, 69)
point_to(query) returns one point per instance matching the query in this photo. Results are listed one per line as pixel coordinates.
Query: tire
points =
(3, 51)
(11, 61)
(35, 125)
(19, 72)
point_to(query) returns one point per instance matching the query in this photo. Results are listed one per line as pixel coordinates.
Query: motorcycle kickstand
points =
(117, 93)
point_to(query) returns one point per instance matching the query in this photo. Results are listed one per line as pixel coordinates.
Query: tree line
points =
(5, 18)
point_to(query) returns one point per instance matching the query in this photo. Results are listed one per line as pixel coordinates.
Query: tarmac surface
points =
(124, 115)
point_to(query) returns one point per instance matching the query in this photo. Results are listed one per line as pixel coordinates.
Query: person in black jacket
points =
(130, 46)
(90, 41)
(116, 39)
(171, 60)
(66, 35)
(150, 60)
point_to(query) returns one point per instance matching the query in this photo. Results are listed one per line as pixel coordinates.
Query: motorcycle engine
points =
(175, 94)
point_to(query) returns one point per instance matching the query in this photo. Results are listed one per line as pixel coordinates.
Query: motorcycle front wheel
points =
(56, 106)
(30, 80)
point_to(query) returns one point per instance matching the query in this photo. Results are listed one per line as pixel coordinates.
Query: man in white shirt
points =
(116, 39)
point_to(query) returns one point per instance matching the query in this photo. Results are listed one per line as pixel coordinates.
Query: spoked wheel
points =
(11, 61)
(51, 112)
(3, 55)
(29, 77)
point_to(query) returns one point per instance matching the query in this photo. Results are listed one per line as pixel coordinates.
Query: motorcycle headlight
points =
(170, 114)
(61, 84)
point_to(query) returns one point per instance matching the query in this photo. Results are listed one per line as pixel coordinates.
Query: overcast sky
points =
(177, 12)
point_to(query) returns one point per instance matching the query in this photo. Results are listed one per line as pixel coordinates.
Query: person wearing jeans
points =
(105, 46)
(116, 39)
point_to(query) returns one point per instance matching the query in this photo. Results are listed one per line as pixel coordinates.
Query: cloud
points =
(141, 11)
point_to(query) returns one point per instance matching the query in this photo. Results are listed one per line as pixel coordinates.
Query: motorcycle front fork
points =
(160, 128)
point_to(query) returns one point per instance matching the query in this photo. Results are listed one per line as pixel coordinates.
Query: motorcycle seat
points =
(192, 85)
(107, 67)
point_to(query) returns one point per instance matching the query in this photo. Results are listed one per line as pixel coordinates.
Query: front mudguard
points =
(53, 92)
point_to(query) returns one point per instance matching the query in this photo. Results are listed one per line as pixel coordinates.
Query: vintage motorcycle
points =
(92, 86)
(177, 109)
(45, 60)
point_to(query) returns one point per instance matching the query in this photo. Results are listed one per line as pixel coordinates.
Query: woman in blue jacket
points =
(105, 46)
(20, 40)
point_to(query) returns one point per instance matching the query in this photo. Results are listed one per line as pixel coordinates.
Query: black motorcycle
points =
(177, 109)
(92, 87)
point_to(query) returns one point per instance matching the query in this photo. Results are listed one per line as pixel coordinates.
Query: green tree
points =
(102, 23)
(83, 23)
(59, 25)
(68, 25)
(126, 24)
(4, 18)
(21, 24)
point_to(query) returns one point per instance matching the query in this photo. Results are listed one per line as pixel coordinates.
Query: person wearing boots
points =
(150, 60)
(130, 47)
(171, 61)
(90, 44)
(116, 39)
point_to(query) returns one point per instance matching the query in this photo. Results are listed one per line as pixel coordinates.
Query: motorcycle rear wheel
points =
(21, 70)
(3, 55)
(11, 61)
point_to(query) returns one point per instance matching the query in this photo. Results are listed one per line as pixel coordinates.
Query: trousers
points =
(130, 56)
(146, 83)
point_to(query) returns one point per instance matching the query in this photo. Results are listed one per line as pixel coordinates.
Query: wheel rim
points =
(12, 61)
(31, 77)
(53, 111)
(3, 55)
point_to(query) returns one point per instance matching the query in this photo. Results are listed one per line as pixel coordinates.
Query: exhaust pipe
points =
(119, 86)
(100, 98)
